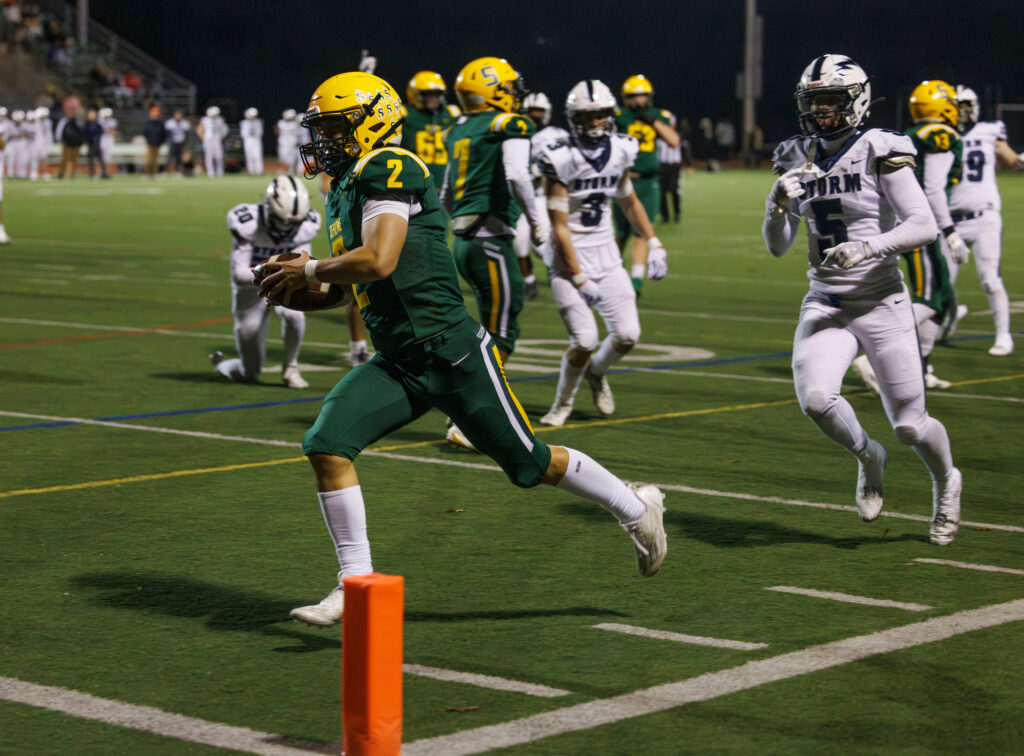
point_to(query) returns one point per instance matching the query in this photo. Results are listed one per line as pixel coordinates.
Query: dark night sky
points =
(273, 54)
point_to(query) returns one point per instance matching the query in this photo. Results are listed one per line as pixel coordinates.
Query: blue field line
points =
(523, 379)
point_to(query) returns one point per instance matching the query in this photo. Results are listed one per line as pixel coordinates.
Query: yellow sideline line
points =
(418, 444)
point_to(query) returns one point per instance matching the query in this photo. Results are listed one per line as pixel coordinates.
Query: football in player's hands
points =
(313, 295)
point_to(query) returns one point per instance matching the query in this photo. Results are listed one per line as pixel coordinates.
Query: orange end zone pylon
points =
(371, 665)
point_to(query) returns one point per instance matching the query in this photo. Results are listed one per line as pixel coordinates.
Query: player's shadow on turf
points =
(18, 376)
(727, 533)
(507, 614)
(221, 607)
(205, 376)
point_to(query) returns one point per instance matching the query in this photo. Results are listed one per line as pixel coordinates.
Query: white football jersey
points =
(547, 135)
(251, 128)
(592, 178)
(214, 128)
(288, 130)
(844, 204)
(977, 188)
(254, 241)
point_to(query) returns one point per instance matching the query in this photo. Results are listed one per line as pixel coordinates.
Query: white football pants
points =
(251, 318)
(107, 149)
(253, 155)
(984, 235)
(827, 339)
(213, 154)
(286, 153)
(617, 309)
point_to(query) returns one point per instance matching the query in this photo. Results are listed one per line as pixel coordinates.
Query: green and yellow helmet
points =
(489, 83)
(934, 101)
(349, 115)
(421, 83)
(637, 84)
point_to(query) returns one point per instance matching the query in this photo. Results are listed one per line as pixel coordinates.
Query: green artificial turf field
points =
(157, 523)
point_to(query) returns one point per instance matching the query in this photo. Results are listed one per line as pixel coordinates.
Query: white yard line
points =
(494, 468)
(697, 640)
(593, 714)
(145, 718)
(849, 599)
(970, 566)
(954, 395)
(484, 681)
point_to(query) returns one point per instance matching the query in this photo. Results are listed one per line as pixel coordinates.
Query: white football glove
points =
(788, 186)
(848, 254)
(657, 259)
(590, 292)
(958, 248)
(538, 235)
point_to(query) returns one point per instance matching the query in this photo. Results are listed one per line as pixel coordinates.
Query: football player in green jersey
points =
(388, 236)
(933, 106)
(427, 115)
(645, 123)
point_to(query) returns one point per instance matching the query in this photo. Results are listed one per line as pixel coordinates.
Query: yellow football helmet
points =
(934, 102)
(424, 81)
(349, 115)
(489, 83)
(637, 84)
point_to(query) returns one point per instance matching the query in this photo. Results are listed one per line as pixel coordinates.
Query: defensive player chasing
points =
(975, 207)
(388, 234)
(581, 175)
(851, 186)
(282, 223)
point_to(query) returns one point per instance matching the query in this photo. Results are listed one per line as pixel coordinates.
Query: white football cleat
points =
(457, 438)
(933, 381)
(1003, 345)
(602, 392)
(216, 358)
(648, 533)
(946, 509)
(4, 238)
(292, 378)
(361, 357)
(871, 464)
(557, 415)
(866, 373)
(327, 612)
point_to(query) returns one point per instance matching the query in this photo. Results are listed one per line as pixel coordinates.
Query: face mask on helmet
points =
(334, 147)
(832, 97)
(286, 205)
(591, 127)
(967, 104)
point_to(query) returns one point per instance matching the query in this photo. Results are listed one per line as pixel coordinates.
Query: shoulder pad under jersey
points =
(243, 220)
(388, 170)
(513, 125)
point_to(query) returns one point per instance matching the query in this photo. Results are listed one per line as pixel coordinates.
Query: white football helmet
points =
(3, 112)
(538, 101)
(31, 115)
(18, 116)
(837, 85)
(970, 109)
(287, 204)
(590, 110)
(289, 114)
(213, 111)
(251, 113)
(104, 112)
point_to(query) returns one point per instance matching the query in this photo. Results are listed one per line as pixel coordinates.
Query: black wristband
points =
(948, 230)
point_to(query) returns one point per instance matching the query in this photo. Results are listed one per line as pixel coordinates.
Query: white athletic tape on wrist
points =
(579, 279)
(311, 271)
(625, 189)
(655, 242)
(637, 271)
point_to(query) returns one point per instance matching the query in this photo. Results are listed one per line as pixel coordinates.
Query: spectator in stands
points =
(155, 134)
(131, 86)
(93, 135)
(71, 137)
(177, 134)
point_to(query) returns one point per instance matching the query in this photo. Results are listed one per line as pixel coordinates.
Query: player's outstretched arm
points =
(1007, 158)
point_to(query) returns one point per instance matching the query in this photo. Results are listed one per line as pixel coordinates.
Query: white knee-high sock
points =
(568, 382)
(840, 424)
(999, 302)
(292, 332)
(345, 516)
(232, 368)
(927, 329)
(934, 450)
(607, 355)
(587, 479)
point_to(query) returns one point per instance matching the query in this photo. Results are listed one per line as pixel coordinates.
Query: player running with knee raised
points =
(581, 174)
(388, 234)
(852, 186)
(282, 223)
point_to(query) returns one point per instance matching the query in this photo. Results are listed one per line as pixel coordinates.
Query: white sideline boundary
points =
(484, 681)
(145, 718)
(696, 640)
(495, 468)
(970, 566)
(584, 716)
(850, 599)
(587, 716)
